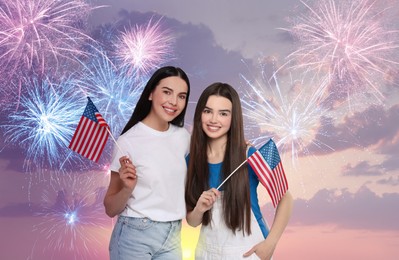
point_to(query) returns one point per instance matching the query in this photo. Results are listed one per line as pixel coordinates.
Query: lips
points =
(169, 111)
(212, 128)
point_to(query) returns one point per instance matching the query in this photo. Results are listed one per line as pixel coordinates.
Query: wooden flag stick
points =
(231, 174)
(113, 138)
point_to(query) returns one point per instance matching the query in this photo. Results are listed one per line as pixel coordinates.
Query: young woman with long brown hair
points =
(232, 224)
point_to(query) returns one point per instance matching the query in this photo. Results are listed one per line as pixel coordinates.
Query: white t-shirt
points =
(161, 169)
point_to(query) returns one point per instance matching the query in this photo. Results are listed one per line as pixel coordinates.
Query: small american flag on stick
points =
(91, 134)
(267, 165)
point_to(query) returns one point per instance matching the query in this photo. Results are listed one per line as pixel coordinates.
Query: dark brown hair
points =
(236, 193)
(143, 106)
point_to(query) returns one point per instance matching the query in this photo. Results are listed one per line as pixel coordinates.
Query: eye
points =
(225, 112)
(167, 92)
(183, 97)
(206, 111)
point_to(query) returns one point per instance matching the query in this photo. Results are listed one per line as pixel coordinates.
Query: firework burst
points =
(291, 113)
(113, 92)
(144, 47)
(73, 220)
(45, 122)
(350, 42)
(39, 36)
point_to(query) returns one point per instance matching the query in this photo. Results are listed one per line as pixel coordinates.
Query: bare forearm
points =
(115, 203)
(204, 203)
(282, 217)
(194, 217)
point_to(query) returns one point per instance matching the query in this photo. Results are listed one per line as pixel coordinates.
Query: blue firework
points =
(112, 90)
(72, 218)
(44, 123)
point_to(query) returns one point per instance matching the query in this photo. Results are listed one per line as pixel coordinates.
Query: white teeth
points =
(213, 128)
(169, 110)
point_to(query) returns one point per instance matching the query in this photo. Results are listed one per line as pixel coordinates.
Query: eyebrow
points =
(164, 87)
(222, 110)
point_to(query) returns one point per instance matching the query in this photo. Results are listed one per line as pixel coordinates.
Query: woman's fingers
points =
(125, 160)
(215, 191)
(128, 171)
(209, 197)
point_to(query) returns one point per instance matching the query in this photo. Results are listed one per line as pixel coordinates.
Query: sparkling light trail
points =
(113, 91)
(45, 123)
(351, 43)
(72, 216)
(144, 47)
(37, 35)
(291, 113)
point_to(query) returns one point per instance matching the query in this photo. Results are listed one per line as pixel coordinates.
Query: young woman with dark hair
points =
(146, 189)
(232, 224)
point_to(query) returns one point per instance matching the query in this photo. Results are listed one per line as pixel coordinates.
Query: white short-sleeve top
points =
(161, 168)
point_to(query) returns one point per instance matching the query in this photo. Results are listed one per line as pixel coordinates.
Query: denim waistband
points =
(126, 219)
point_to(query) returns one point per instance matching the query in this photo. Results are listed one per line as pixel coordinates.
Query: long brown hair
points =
(236, 194)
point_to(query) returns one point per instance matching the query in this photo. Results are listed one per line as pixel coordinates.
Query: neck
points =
(216, 150)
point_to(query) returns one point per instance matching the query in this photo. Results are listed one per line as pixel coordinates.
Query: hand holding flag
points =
(267, 165)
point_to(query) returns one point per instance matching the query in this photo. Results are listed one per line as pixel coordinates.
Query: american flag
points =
(267, 165)
(91, 134)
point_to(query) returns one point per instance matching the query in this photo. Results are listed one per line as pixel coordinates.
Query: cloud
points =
(14, 156)
(196, 49)
(362, 169)
(60, 204)
(25, 209)
(360, 210)
(248, 28)
(392, 163)
(374, 128)
(391, 181)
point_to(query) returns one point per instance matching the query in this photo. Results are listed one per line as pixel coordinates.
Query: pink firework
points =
(349, 42)
(144, 47)
(37, 36)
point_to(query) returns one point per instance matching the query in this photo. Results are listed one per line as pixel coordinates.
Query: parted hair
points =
(236, 193)
(143, 106)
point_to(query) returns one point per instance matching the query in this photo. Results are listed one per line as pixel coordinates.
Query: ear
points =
(150, 97)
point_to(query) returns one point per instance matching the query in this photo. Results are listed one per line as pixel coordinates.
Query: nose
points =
(214, 118)
(173, 100)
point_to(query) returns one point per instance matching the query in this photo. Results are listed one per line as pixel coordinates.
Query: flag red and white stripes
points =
(267, 165)
(91, 134)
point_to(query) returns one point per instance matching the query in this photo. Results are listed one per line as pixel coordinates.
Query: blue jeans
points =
(142, 238)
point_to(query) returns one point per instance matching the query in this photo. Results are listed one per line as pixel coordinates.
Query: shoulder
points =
(250, 150)
(180, 130)
(131, 132)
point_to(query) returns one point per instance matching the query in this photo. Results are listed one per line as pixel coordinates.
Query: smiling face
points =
(216, 117)
(168, 101)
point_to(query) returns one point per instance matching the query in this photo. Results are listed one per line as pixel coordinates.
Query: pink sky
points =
(330, 243)
(298, 242)
(345, 187)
